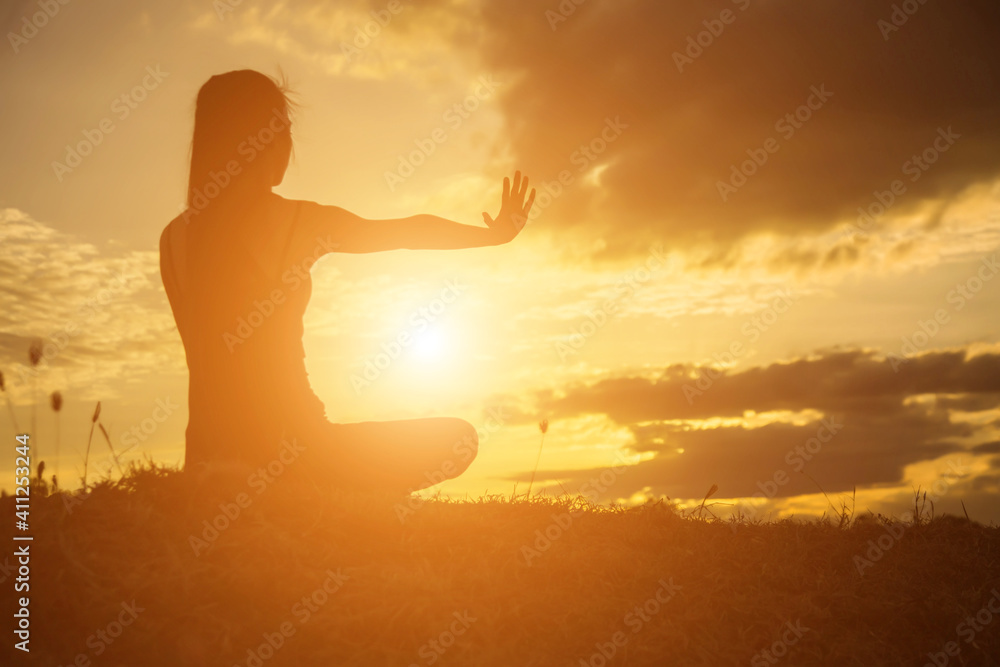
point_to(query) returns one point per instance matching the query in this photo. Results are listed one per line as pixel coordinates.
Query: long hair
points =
(242, 138)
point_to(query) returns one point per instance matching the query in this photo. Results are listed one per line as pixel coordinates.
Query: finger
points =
(487, 219)
(531, 200)
(506, 191)
(517, 183)
(524, 189)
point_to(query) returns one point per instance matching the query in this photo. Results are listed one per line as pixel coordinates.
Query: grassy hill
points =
(158, 570)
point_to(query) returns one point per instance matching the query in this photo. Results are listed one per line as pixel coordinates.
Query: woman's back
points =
(239, 309)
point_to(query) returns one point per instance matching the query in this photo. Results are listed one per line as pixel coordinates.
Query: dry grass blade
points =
(711, 492)
(35, 357)
(543, 426)
(90, 438)
(56, 401)
(832, 506)
(114, 454)
(10, 407)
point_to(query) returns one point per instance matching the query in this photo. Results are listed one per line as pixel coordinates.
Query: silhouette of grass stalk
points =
(35, 356)
(86, 457)
(56, 402)
(543, 426)
(10, 406)
(711, 492)
(114, 454)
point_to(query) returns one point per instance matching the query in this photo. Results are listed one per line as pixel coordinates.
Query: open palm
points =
(513, 209)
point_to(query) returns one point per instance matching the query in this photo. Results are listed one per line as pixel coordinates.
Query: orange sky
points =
(696, 294)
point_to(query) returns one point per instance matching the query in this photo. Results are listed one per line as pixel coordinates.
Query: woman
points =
(226, 266)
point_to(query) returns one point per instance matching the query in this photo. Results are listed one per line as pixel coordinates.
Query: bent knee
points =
(466, 444)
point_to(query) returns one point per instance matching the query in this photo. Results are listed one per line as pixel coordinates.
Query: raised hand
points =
(513, 209)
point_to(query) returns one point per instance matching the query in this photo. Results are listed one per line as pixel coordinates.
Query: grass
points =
(404, 591)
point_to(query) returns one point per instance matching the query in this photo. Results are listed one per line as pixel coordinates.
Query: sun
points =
(430, 345)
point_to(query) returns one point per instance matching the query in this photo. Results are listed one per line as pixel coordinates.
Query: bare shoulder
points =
(302, 228)
(165, 236)
(314, 211)
(303, 210)
(314, 220)
(174, 229)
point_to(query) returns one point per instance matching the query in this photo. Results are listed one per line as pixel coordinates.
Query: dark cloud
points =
(615, 58)
(852, 381)
(872, 428)
(988, 448)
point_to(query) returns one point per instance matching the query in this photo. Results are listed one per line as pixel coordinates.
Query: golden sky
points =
(763, 259)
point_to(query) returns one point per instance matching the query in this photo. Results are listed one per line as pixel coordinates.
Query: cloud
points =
(875, 421)
(101, 314)
(686, 129)
(844, 381)
(361, 39)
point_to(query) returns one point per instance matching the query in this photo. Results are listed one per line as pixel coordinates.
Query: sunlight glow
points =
(429, 345)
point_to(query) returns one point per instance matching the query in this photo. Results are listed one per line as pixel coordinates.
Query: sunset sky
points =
(764, 253)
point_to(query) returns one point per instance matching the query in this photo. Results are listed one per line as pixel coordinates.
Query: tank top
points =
(241, 326)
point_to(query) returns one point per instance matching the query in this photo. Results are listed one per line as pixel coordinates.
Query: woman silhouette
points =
(235, 270)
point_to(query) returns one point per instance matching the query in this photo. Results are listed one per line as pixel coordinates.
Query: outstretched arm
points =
(355, 234)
